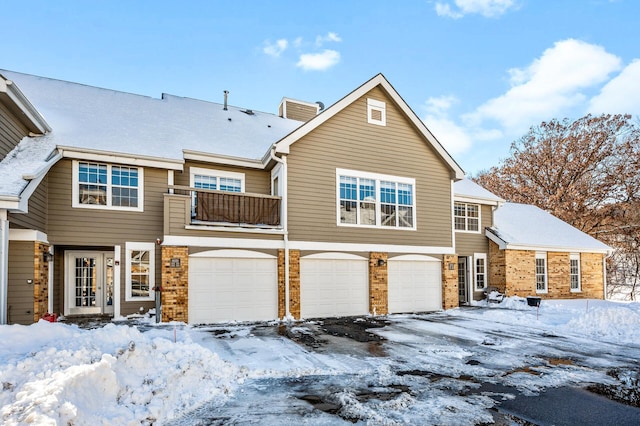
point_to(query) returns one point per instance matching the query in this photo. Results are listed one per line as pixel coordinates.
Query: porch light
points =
(47, 257)
(382, 262)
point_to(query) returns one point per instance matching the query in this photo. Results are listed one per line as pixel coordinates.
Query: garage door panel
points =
(333, 287)
(229, 289)
(414, 286)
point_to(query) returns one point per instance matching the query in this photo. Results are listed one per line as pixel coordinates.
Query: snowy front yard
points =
(456, 367)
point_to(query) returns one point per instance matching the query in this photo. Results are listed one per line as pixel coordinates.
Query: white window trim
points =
(542, 255)
(476, 257)
(377, 177)
(575, 256)
(75, 190)
(151, 247)
(466, 218)
(193, 171)
(373, 104)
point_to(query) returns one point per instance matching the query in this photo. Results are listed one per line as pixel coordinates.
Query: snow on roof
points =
(93, 118)
(468, 188)
(524, 225)
(86, 117)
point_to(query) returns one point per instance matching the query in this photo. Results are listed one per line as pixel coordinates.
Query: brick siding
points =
(294, 284)
(175, 284)
(40, 282)
(450, 298)
(378, 284)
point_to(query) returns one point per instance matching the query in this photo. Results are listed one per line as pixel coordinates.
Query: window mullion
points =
(378, 203)
(358, 218)
(109, 186)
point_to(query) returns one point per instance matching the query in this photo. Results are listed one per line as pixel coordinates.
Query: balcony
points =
(209, 207)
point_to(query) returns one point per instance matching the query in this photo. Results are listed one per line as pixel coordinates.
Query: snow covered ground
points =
(451, 367)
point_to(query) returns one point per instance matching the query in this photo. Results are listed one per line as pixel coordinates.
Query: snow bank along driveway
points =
(464, 366)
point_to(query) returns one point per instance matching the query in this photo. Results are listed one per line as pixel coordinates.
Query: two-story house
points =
(109, 199)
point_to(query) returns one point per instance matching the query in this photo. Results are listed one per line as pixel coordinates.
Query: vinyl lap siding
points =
(36, 218)
(348, 141)
(467, 243)
(11, 131)
(20, 295)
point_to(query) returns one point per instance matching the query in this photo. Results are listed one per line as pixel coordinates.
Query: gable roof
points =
(468, 190)
(527, 227)
(283, 145)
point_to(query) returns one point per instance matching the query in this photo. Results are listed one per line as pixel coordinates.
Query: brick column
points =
(175, 284)
(378, 284)
(294, 284)
(40, 281)
(450, 297)
(497, 268)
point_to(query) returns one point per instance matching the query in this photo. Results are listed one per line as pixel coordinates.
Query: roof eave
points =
(25, 111)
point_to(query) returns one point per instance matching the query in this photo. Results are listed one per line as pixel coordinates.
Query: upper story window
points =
(372, 200)
(541, 272)
(99, 185)
(466, 217)
(574, 262)
(216, 180)
(376, 112)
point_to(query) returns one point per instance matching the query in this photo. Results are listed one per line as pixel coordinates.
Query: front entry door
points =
(462, 280)
(89, 282)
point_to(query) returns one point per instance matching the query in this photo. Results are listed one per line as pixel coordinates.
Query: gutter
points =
(285, 226)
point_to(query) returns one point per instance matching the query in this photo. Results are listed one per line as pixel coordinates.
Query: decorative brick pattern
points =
(378, 283)
(175, 284)
(294, 284)
(40, 282)
(450, 298)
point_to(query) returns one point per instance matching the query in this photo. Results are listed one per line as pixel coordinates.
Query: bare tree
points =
(586, 172)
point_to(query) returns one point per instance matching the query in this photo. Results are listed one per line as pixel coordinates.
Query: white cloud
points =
(454, 138)
(319, 61)
(549, 86)
(275, 49)
(486, 8)
(621, 94)
(330, 37)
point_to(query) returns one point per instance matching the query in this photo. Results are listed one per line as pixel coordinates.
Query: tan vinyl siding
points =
(469, 243)
(300, 112)
(11, 131)
(20, 294)
(86, 228)
(256, 181)
(348, 141)
(36, 218)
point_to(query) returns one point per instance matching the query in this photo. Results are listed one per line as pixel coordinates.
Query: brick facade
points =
(378, 283)
(40, 282)
(294, 284)
(450, 298)
(513, 272)
(175, 284)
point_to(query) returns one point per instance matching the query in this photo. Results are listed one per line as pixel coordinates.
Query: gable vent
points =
(298, 110)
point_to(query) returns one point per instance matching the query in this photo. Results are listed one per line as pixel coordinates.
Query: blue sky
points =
(478, 72)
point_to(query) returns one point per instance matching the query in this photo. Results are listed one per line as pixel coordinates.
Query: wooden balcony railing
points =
(233, 207)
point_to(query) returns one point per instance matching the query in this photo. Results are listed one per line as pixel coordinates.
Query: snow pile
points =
(60, 374)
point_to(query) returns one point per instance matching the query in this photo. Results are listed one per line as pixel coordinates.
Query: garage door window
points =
(140, 262)
(373, 200)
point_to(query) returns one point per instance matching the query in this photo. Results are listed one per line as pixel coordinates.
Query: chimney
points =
(226, 95)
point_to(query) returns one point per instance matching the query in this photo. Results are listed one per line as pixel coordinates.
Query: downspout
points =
(4, 264)
(283, 162)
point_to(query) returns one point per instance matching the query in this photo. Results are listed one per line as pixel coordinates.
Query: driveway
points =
(422, 369)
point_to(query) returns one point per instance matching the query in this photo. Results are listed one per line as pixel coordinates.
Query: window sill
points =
(390, 228)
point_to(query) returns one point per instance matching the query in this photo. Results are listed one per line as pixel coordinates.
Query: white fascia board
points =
(237, 243)
(120, 158)
(223, 159)
(355, 247)
(10, 203)
(493, 237)
(22, 103)
(283, 146)
(475, 200)
(27, 235)
(503, 245)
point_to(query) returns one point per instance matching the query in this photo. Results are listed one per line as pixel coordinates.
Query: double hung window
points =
(466, 217)
(574, 260)
(541, 272)
(368, 199)
(100, 185)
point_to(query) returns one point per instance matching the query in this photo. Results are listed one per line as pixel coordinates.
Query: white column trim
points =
(4, 263)
(116, 281)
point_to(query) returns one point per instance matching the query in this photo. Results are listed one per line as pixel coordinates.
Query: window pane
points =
(230, 184)
(388, 214)
(405, 217)
(472, 210)
(388, 192)
(405, 194)
(367, 190)
(472, 224)
(205, 182)
(124, 192)
(140, 269)
(480, 273)
(348, 211)
(92, 194)
(348, 188)
(460, 223)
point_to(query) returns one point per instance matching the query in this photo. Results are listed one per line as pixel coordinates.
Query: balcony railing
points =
(234, 208)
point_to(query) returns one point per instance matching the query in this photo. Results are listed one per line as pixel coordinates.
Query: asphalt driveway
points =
(422, 369)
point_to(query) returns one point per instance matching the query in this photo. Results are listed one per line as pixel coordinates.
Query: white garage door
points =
(334, 287)
(232, 285)
(415, 284)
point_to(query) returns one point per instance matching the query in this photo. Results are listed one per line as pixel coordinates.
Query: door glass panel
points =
(85, 281)
(462, 280)
(108, 291)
